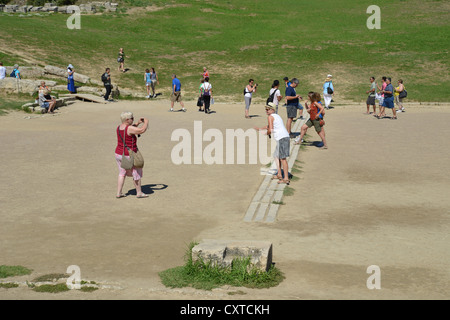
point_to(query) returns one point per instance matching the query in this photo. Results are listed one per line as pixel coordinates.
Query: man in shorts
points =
(371, 98)
(276, 129)
(292, 99)
(388, 101)
(176, 93)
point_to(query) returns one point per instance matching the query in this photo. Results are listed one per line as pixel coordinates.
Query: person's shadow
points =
(149, 188)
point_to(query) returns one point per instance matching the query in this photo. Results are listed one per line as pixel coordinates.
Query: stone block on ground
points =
(223, 252)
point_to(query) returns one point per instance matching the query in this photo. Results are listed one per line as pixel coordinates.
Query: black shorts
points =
(291, 111)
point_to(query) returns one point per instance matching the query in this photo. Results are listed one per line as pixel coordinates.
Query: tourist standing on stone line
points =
(275, 127)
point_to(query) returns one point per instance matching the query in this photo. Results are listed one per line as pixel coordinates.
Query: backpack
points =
(13, 74)
(271, 97)
(104, 77)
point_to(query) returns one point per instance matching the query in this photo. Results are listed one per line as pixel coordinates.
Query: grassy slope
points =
(261, 39)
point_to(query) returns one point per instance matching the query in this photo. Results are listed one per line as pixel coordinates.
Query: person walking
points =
(127, 133)
(388, 101)
(206, 89)
(371, 98)
(381, 95)
(153, 81)
(275, 91)
(293, 99)
(315, 110)
(328, 91)
(147, 82)
(121, 60)
(205, 73)
(275, 127)
(248, 94)
(106, 77)
(176, 93)
(398, 100)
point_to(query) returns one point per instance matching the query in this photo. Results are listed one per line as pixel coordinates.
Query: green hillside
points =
(238, 40)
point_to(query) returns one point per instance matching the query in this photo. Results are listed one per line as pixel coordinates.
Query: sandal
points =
(284, 181)
(121, 196)
(142, 195)
(275, 177)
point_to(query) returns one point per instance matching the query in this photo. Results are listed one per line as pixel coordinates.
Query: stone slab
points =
(223, 252)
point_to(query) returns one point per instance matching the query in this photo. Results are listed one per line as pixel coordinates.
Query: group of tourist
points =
(387, 97)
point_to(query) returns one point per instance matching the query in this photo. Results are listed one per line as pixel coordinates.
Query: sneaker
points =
(184, 110)
(399, 110)
(148, 97)
(171, 110)
(154, 96)
(403, 110)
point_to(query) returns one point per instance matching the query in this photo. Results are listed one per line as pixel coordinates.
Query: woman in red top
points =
(315, 110)
(127, 132)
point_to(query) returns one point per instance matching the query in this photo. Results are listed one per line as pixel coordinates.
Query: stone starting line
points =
(266, 202)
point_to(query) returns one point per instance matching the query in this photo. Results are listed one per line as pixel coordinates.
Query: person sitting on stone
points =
(44, 87)
(47, 104)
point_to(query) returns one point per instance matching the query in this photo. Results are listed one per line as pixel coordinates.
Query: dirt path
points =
(378, 196)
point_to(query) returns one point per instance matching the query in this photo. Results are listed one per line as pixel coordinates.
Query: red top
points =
(313, 112)
(129, 140)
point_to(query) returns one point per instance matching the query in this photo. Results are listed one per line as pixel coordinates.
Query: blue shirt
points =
(390, 88)
(177, 84)
(147, 77)
(290, 92)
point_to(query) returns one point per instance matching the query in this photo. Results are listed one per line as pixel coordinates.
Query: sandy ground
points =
(378, 196)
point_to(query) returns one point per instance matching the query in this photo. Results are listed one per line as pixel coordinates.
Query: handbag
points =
(329, 90)
(135, 159)
(200, 102)
(403, 94)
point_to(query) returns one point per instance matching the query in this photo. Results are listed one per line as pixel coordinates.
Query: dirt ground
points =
(378, 196)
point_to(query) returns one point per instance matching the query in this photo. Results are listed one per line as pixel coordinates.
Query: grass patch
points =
(51, 288)
(13, 271)
(88, 289)
(288, 191)
(205, 276)
(50, 277)
(8, 285)
(189, 34)
(278, 202)
(8, 104)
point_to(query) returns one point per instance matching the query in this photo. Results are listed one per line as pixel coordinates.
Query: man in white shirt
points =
(276, 128)
(2, 71)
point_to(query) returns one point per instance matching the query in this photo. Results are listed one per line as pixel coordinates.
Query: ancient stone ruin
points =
(86, 8)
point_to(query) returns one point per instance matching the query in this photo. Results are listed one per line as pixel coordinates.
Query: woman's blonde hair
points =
(124, 116)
